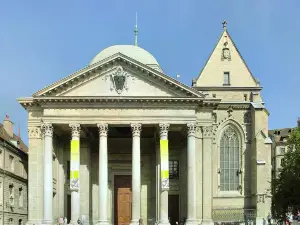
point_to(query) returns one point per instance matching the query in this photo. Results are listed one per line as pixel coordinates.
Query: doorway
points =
(123, 199)
(173, 209)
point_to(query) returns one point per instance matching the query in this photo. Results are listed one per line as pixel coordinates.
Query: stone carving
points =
(164, 128)
(103, 129)
(119, 80)
(34, 132)
(47, 129)
(214, 116)
(75, 129)
(191, 129)
(230, 110)
(260, 198)
(136, 129)
(225, 51)
(207, 131)
(247, 117)
(230, 133)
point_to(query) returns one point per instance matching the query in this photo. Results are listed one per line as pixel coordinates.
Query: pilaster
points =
(207, 175)
(35, 176)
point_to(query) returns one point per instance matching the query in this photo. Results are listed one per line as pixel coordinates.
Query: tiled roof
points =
(280, 134)
(4, 135)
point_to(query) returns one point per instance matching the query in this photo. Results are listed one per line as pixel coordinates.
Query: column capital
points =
(47, 129)
(136, 129)
(103, 129)
(191, 129)
(75, 129)
(164, 128)
(207, 131)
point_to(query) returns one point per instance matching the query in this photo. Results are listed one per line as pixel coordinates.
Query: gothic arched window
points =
(229, 160)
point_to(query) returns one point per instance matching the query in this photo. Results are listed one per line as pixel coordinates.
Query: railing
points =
(234, 216)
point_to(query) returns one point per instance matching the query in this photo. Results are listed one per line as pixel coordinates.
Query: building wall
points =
(13, 185)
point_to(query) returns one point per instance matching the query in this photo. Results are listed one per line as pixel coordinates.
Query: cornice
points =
(234, 105)
(86, 101)
(93, 70)
(227, 88)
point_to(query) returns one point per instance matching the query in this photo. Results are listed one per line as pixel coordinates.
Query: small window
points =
(11, 163)
(282, 150)
(11, 194)
(174, 169)
(20, 221)
(10, 221)
(214, 95)
(226, 78)
(21, 197)
(245, 97)
(68, 170)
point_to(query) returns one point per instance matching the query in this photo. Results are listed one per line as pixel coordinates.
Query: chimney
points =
(8, 126)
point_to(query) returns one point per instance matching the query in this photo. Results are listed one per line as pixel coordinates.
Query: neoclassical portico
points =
(190, 129)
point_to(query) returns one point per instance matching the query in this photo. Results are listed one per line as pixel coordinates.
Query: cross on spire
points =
(136, 32)
(224, 24)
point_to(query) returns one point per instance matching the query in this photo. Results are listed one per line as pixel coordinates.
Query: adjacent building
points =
(121, 142)
(13, 176)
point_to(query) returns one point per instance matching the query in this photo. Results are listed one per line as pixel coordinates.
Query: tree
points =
(286, 186)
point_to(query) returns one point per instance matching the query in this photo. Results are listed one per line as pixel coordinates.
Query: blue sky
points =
(44, 41)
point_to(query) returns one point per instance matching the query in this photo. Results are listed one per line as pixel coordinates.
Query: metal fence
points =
(234, 216)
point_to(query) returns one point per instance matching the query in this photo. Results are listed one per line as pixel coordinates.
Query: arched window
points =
(229, 160)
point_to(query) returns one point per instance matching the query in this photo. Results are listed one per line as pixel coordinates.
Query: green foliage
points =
(286, 187)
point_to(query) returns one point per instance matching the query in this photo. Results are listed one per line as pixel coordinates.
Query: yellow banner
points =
(75, 163)
(164, 164)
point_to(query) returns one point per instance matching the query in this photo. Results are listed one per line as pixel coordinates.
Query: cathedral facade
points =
(120, 142)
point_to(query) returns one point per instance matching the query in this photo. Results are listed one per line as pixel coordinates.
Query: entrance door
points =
(122, 196)
(174, 209)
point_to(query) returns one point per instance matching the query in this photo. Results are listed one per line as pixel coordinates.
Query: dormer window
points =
(226, 79)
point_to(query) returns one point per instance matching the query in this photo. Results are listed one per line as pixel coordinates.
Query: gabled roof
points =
(5, 136)
(225, 32)
(55, 87)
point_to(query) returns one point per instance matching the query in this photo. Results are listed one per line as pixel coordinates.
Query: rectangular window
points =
(68, 170)
(226, 79)
(21, 197)
(174, 169)
(11, 194)
(282, 150)
(11, 163)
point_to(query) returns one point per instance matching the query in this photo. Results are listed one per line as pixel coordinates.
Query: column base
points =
(191, 222)
(136, 222)
(103, 222)
(260, 221)
(34, 222)
(163, 222)
(207, 222)
(47, 222)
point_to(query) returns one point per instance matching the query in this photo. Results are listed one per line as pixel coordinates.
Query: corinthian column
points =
(163, 209)
(75, 166)
(207, 175)
(191, 175)
(103, 174)
(47, 130)
(136, 173)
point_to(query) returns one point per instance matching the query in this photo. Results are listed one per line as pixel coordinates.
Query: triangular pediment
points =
(118, 75)
(226, 58)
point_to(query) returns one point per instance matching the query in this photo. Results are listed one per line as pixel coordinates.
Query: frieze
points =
(205, 115)
(234, 106)
(34, 132)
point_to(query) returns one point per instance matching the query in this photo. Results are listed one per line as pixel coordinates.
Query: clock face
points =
(226, 53)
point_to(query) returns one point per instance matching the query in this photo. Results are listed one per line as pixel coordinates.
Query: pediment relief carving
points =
(119, 73)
